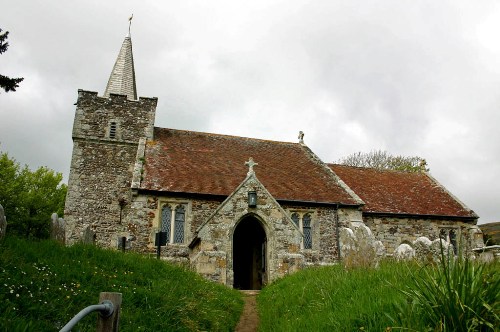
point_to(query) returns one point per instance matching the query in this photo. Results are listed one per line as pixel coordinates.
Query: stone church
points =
(240, 211)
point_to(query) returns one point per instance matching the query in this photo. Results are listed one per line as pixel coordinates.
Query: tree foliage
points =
(30, 197)
(7, 83)
(383, 160)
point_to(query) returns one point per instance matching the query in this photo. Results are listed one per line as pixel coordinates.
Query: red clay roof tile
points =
(193, 162)
(386, 191)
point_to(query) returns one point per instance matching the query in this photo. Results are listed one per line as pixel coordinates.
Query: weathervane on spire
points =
(130, 23)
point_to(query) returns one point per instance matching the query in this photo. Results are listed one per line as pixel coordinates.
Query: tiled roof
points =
(386, 191)
(193, 162)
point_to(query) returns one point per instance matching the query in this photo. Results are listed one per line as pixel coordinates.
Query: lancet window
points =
(304, 222)
(173, 221)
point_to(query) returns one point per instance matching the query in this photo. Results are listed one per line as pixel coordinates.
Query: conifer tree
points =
(7, 83)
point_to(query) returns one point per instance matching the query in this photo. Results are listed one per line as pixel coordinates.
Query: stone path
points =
(249, 320)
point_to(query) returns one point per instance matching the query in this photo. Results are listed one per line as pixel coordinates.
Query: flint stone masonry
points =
(3, 222)
(102, 166)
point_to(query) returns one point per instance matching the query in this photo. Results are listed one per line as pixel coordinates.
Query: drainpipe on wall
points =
(337, 230)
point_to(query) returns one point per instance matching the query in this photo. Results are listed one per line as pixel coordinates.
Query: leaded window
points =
(306, 229)
(179, 224)
(166, 215)
(303, 221)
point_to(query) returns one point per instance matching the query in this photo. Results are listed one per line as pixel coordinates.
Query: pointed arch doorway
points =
(249, 254)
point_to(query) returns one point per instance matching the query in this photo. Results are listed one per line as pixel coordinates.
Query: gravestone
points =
(88, 236)
(57, 229)
(404, 252)
(3, 222)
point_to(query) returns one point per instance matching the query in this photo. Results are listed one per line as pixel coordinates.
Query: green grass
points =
(456, 295)
(460, 296)
(43, 285)
(331, 299)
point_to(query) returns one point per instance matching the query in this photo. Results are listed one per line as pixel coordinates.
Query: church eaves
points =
(122, 78)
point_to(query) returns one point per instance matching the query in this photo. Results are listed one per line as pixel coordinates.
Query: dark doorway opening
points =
(249, 254)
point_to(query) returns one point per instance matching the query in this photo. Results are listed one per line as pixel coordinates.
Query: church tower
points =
(106, 135)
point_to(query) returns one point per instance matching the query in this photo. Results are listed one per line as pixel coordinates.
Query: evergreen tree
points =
(7, 83)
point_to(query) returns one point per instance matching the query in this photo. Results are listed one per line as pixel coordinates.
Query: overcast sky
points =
(414, 78)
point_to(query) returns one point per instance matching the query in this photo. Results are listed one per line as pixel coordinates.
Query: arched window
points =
(179, 224)
(166, 214)
(295, 218)
(306, 229)
(304, 223)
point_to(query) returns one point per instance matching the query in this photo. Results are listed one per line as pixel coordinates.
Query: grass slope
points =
(458, 295)
(43, 285)
(330, 299)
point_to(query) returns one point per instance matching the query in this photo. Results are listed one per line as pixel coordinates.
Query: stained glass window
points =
(179, 224)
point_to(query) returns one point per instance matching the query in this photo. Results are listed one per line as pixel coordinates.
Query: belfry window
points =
(304, 222)
(112, 130)
(173, 217)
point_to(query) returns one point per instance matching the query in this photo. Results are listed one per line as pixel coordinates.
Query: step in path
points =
(249, 320)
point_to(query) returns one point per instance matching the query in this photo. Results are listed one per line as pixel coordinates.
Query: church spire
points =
(122, 78)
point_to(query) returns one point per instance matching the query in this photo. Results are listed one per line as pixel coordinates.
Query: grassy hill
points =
(43, 285)
(491, 231)
(455, 296)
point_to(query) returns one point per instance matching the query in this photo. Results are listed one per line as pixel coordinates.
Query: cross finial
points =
(301, 136)
(250, 163)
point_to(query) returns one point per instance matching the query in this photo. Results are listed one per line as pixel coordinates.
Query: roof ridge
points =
(227, 136)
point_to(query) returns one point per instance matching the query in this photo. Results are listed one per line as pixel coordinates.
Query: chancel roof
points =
(180, 161)
(397, 192)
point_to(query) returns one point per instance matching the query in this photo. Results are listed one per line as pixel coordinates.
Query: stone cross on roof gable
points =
(250, 163)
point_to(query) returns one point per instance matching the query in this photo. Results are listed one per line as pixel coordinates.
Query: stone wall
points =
(212, 254)
(393, 231)
(106, 133)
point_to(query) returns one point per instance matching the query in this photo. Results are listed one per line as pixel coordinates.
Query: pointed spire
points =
(122, 78)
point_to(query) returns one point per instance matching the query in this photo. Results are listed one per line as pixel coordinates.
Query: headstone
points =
(440, 247)
(358, 246)
(88, 236)
(422, 246)
(404, 252)
(3, 222)
(58, 229)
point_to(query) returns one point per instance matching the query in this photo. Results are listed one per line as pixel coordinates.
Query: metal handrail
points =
(106, 309)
